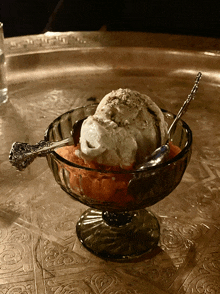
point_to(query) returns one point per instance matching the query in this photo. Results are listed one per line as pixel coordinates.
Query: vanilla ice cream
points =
(126, 127)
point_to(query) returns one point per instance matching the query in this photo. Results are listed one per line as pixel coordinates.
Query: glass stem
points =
(117, 219)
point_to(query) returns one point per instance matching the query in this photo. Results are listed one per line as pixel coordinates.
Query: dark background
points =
(24, 17)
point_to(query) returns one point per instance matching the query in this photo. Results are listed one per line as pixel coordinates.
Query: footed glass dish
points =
(117, 225)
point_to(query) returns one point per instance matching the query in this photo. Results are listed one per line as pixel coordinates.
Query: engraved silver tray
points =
(55, 72)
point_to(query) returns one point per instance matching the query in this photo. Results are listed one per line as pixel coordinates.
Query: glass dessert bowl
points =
(117, 226)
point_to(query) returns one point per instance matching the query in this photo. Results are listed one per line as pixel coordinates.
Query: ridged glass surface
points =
(117, 227)
(138, 189)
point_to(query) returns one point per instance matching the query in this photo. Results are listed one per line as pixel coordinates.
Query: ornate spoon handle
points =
(185, 105)
(23, 154)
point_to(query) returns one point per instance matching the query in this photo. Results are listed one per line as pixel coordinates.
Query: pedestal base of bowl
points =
(118, 236)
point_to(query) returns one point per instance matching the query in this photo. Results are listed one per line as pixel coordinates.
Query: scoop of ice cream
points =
(126, 127)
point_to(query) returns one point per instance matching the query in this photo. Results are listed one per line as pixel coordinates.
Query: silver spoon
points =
(161, 153)
(23, 154)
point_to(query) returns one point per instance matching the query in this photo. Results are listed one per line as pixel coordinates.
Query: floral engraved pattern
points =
(13, 251)
(46, 41)
(71, 286)
(71, 289)
(159, 270)
(101, 282)
(19, 235)
(97, 282)
(204, 195)
(59, 256)
(59, 219)
(210, 285)
(10, 255)
(205, 277)
(212, 263)
(17, 289)
(204, 284)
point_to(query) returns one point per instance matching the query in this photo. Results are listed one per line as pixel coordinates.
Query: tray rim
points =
(57, 41)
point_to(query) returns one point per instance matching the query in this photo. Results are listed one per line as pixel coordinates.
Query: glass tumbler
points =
(3, 79)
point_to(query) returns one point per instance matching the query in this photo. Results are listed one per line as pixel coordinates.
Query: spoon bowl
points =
(161, 154)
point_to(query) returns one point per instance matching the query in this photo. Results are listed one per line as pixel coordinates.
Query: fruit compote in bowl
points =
(117, 226)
